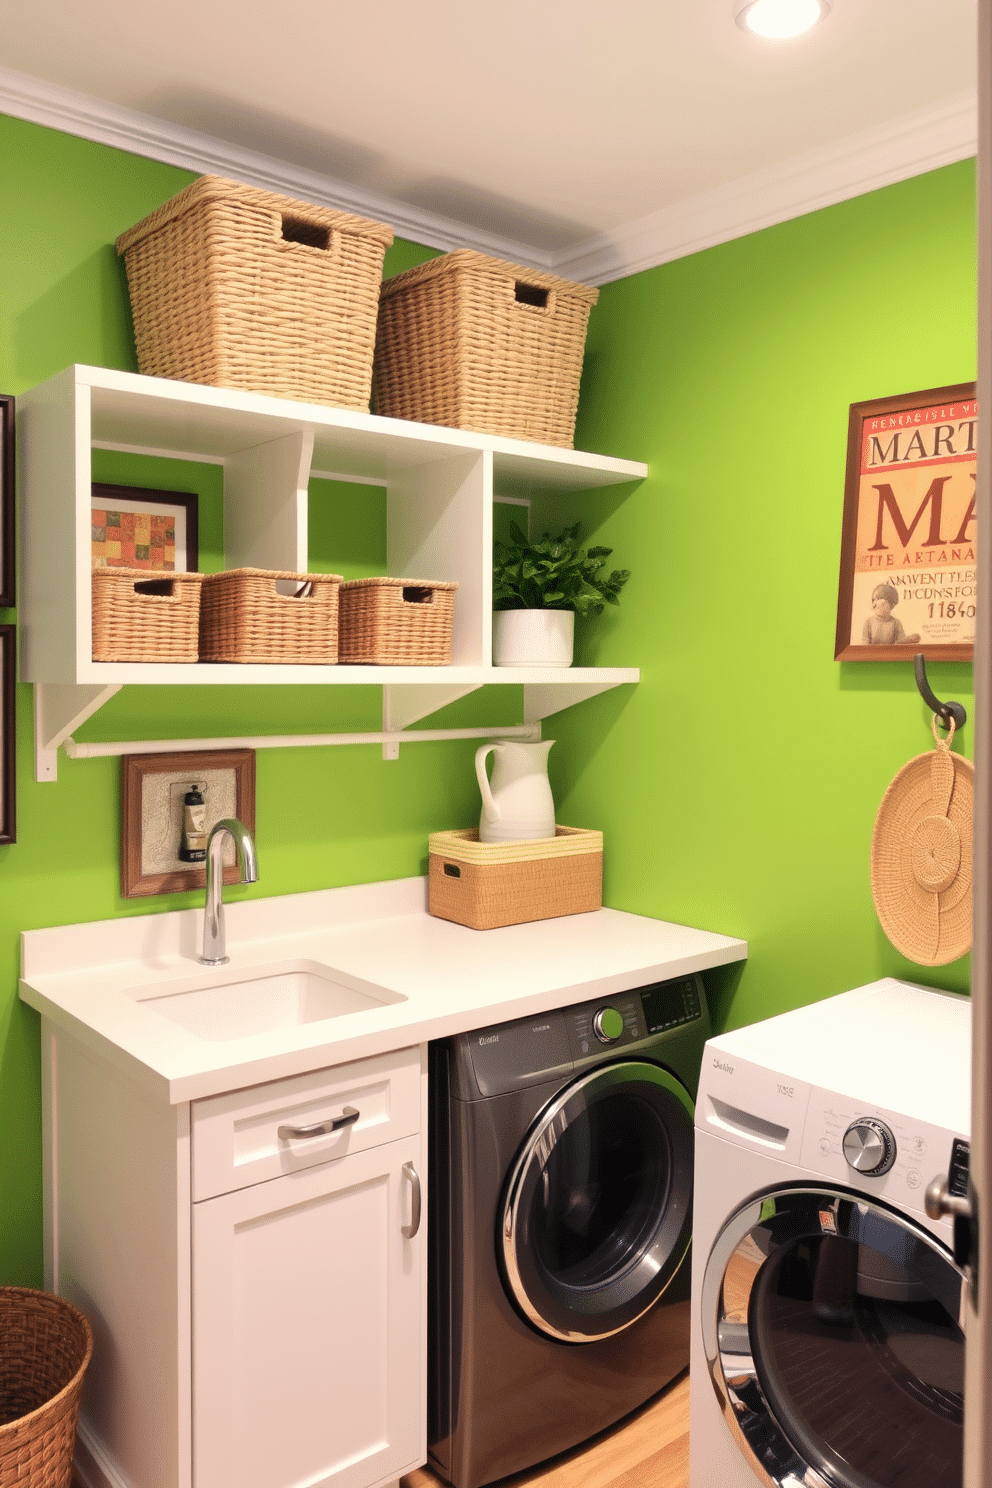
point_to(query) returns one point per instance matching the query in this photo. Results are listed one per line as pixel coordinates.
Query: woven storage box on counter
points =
(142, 615)
(475, 343)
(270, 616)
(45, 1347)
(240, 288)
(487, 884)
(396, 622)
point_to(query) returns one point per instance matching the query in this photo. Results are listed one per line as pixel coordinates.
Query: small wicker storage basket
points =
(45, 1347)
(487, 884)
(475, 343)
(241, 288)
(244, 617)
(142, 615)
(397, 622)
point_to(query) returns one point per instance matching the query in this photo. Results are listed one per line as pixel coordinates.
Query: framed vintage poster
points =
(907, 565)
(154, 789)
(134, 527)
(7, 591)
(8, 731)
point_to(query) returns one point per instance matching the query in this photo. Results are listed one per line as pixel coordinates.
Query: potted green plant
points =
(539, 588)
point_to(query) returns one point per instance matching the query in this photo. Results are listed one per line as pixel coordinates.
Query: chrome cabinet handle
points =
(408, 1231)
(348, 1117)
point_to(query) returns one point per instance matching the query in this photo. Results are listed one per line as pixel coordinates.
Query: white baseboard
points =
(91, 1463)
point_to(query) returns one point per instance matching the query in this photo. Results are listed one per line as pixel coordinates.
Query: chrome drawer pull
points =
(348, 1117)
(408, 1231)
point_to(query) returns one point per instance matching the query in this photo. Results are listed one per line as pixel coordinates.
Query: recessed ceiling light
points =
(779, 18)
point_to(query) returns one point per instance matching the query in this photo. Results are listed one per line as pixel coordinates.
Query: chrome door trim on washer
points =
(769, 1224)
(639, 1277)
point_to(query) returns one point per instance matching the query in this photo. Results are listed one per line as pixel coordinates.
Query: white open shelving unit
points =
(440, 486)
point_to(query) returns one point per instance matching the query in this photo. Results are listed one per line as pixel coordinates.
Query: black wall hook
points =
(944, 711)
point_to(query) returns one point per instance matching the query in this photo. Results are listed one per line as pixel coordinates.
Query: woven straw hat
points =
(921, 856)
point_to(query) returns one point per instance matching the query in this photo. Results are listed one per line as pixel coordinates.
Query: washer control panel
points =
(630, 1017)
(880, 1152)
(529, 1051)
(869, 1146)
(607, 1025)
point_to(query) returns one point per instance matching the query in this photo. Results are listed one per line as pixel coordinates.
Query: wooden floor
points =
(649, 1449)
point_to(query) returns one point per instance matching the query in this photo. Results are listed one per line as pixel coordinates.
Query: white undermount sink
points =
(229, 1004)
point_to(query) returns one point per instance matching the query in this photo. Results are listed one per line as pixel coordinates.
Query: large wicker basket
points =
(475, 343)
(45, 1346)
(142, 615)
(397, 622)
(241, 288)
(487, 884)
(270, 615)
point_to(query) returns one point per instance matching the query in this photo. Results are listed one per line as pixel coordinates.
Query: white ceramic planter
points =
(533, 637)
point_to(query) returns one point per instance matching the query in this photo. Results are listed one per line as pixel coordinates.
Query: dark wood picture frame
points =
(8, 581)
(108, 494)
(136, 882)
(8, 733)
(943, 427)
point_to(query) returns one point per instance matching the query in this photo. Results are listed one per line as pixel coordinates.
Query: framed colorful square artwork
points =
(134, 527)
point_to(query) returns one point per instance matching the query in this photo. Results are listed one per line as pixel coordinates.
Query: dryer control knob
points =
(869, 1146)
(607, 1025)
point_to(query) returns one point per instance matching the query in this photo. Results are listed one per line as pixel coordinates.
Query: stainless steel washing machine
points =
(561, 1198)
(828, 1306)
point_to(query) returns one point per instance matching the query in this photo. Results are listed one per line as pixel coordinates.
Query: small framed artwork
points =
(134, 527)
(8, 731)
(169, 802)
(8, 595)
(907, 568)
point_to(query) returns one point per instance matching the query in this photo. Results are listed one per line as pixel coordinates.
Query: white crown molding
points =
(916, 142)
(41, 102)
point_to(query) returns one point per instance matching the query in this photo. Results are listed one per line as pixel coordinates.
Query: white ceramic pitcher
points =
(516, 804)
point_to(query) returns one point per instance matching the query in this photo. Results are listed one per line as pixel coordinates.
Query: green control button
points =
(607, 1025)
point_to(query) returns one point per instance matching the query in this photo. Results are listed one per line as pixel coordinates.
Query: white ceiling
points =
(555, 127)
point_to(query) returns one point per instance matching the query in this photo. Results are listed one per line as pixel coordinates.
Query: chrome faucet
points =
(214, 950)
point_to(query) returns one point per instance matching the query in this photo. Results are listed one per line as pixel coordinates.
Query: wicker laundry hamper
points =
(270, 616)
(396, 622)
(475, 343)
(140, 614)
(45, 1347)
(240, 288)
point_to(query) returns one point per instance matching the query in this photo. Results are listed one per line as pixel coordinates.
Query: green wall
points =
(736, 785)
(323, 817)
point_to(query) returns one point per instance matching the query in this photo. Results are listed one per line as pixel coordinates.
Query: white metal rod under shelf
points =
(530, 731)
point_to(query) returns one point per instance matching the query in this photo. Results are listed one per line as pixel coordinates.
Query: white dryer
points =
(827, 1347)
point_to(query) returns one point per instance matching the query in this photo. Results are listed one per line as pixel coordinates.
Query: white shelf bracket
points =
(402, 706)
(59, 707)
(544, 698)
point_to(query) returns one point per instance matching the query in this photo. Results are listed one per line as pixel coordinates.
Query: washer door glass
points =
(833, 1326)
(596, 1214)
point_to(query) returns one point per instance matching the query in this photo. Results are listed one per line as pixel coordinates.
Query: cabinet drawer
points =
(236, 1138)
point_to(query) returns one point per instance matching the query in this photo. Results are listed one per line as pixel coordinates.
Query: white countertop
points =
(89, 979)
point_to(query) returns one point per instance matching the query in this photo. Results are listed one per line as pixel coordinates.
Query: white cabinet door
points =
(309, 1327)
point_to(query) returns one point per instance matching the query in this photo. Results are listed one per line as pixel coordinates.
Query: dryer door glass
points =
(835, 1324)
(596, 1215)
